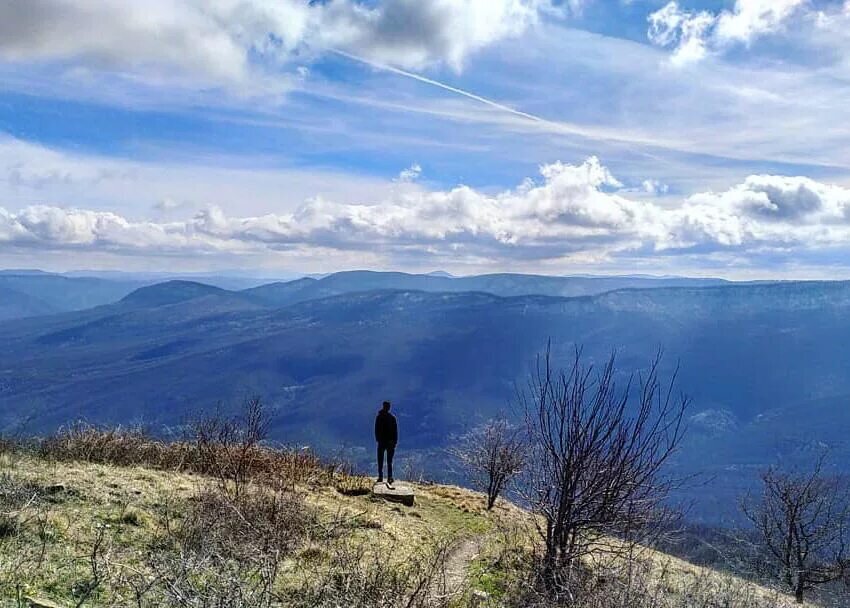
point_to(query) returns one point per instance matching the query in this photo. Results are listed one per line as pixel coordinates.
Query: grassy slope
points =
(131, 504)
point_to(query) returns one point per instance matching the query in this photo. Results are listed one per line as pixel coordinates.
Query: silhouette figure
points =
(386, 434)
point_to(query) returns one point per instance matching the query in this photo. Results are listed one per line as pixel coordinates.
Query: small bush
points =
(132, 517)
(349, 484)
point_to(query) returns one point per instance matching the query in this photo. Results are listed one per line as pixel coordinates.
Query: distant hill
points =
(50, 293)
(225, 279)
(15, 304)
(172, 292)
(283, 294)
(765, 363)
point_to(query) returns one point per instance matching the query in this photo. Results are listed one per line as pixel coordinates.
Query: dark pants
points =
(389, 448)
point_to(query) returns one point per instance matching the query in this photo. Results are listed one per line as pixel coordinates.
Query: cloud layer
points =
(570, 212)
(246, 42)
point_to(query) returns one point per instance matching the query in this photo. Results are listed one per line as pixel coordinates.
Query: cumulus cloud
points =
(693, 34)
(571, 210)
(233, 42)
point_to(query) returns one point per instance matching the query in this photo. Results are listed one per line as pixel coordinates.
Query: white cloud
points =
(693, 34)
(247, 44)
(670, 26)
(409, 175)
(574, 212)
(752, 18)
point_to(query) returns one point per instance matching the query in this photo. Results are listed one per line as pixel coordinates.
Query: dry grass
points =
(153, 524)
(76, 528)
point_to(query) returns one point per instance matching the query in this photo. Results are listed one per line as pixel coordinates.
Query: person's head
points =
(386, 407)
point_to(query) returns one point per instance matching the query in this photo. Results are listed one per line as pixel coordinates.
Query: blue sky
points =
(701, 138)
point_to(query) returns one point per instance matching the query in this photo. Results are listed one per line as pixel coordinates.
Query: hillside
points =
(98, 534)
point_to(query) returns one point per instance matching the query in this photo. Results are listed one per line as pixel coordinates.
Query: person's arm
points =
(394, 430)
(377, 428)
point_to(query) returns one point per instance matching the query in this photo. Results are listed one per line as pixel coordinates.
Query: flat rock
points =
(38, 602)
(398, 492)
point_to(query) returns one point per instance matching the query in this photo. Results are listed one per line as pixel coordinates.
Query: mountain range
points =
(765, 363)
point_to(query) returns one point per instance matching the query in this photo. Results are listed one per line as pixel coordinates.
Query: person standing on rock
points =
(386, 434)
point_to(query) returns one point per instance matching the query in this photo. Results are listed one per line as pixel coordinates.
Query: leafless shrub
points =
(257, 521)
(493, 455)
(201, 580)
(647, 587)
(595, 463)
(120, 446)
(803, 524)
(85, 589)
(25, 532)
(19, 501)
(614, 582)
(224, 550)
(357, 577)
(229, 449)
(191, 579)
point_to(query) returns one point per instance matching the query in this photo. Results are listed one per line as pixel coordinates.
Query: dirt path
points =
(457, 563)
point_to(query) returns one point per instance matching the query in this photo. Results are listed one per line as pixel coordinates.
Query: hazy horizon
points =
(277, 275)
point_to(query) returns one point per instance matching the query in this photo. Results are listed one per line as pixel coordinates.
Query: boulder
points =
(398, 492)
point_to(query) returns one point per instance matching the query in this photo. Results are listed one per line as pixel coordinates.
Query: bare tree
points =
(595, 468)
(493, 454)
(802, 523)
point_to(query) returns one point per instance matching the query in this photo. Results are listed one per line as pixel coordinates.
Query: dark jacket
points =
(386, 429)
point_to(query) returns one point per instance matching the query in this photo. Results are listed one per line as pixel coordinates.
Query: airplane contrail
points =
(550, 125)
(442, 85)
